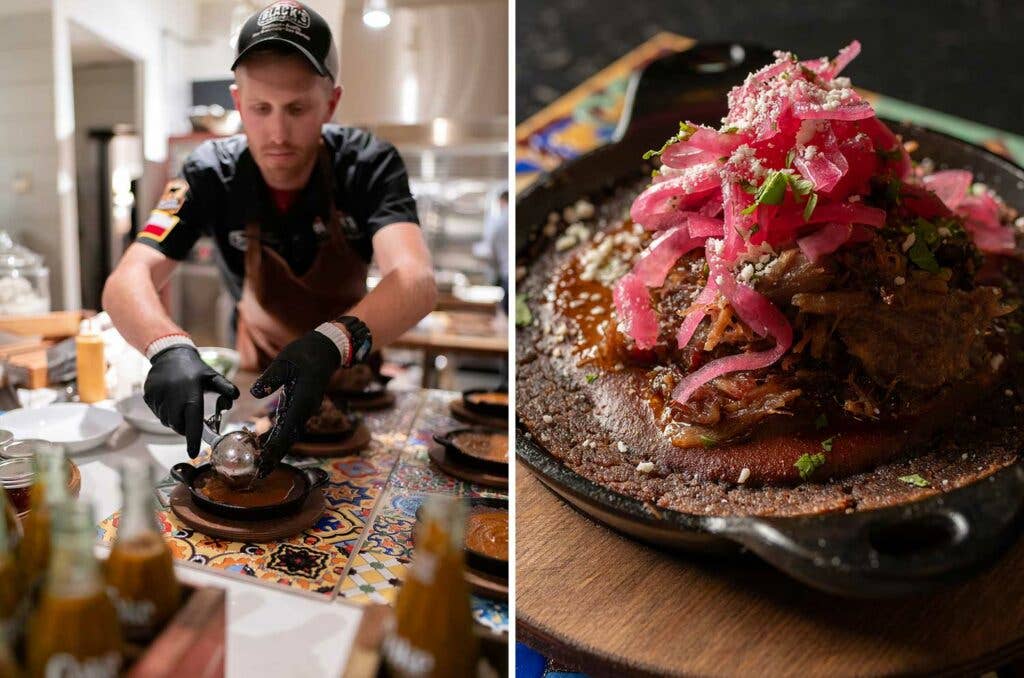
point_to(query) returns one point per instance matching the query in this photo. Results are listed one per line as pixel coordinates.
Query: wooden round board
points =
(246, 530)
(440, 457)
(660, 614)
(74, 479)
(463, 413)
(487, 586)
(359, 439)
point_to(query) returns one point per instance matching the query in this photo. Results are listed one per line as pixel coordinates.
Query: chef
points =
(296, 209)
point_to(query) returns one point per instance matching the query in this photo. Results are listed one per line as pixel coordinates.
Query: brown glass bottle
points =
(140, 570)
(433, 631)
(50, 488)
(10, 584)
(74, 630)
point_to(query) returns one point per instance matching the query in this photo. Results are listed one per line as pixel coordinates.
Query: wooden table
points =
(590, 598)
(456, 332)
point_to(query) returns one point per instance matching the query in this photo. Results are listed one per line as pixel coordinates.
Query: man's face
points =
(283, 103)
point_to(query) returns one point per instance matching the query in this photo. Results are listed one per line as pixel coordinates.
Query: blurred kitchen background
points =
(101, 100)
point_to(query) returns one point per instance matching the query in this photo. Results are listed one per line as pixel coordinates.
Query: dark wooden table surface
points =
(956, 56)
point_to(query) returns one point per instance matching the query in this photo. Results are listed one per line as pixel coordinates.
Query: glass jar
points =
(24, 279)
(20, 449)
(16, 477)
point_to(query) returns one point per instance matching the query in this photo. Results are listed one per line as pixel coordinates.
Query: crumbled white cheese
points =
(909, 242)
(944, 232)
(645, 467)
(547, 419)
(622, 447)
(744, 475)
(1008, 393)
(899, 280)
(996, 362)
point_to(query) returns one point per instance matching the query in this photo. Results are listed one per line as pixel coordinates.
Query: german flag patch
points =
(160, 223)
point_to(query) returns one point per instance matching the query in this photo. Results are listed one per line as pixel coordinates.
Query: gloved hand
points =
(302, 370)
(174, 391)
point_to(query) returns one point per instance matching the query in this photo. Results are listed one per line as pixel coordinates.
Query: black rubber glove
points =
(302, 370)
(174, 391)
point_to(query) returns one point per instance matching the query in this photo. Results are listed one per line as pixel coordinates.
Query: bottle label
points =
(66, 666)
(404, 657)
(136, 615)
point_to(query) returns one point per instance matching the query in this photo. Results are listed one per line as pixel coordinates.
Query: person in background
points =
(297, 209)
(494, 245)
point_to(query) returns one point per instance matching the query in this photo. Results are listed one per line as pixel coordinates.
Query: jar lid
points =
(16, 473)
(21, 449)
(15, 256)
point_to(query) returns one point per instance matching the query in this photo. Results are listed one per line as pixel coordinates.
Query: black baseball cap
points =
(290, 24)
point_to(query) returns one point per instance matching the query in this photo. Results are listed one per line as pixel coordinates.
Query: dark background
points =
(963, 58)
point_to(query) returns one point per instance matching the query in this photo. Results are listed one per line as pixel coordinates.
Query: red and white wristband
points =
(339, 336)
(167, 341)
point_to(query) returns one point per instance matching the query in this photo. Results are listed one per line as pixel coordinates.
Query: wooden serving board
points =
(592, 599)
(246, 530)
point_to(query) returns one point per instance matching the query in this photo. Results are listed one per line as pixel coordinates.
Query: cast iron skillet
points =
(474, 559)
(309, 479)
(484, 409)
(886, 552)
(466, 459)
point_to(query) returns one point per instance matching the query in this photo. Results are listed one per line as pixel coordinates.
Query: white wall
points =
(27, 136)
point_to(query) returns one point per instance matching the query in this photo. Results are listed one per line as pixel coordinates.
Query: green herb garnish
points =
(730, 130)
(707, 441)
(827, 444)
(771, 192)
(922, 256)
(523, 315)
(591, 378)
(821, 422)
(808, 464)
(686, 130)
(812, 202)
(789, 157)
(916, 480)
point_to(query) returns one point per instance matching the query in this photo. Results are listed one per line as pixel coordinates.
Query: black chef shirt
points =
(223, 190)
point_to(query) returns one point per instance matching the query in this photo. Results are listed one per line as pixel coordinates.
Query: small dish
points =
(77, 426)
(135, 410)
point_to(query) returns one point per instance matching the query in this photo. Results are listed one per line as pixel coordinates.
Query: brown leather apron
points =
(278, 306)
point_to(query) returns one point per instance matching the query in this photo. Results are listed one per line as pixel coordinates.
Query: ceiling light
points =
(376, 13)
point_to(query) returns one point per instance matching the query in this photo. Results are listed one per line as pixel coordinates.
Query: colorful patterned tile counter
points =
(361, 545)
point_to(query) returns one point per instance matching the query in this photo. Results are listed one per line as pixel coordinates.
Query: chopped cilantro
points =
(731, 130)
(655, 174)
(808, 464)
(686, 130)
(755, 228)
(827, 444)
(922, 256)
(789, 157)
(591, 378)
(812, 202)
(523, 315)
(821, 422)
(707, 441)
(893, 190)
(771, 192)
(916, 480)
(800, 185)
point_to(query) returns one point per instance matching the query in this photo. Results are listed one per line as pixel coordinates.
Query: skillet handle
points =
(183, 473)
(895, 551)
(693, 83)
(316, 477)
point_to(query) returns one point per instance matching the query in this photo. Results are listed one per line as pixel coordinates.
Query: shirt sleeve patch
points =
(160, 223)
(173, 196)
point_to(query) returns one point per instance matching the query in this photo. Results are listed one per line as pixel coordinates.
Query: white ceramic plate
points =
(77, 426)
(137, 413)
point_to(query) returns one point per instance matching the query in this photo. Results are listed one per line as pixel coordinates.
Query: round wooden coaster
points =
(463, 413)
(246, 530)
(487, 586)
(439, 455)
(742, 616)
(366, 403)
(359, 439)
